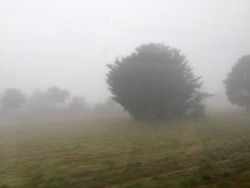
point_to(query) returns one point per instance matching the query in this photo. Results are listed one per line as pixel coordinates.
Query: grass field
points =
(119, 152)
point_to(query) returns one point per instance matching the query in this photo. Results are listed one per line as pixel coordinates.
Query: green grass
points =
(119, 152)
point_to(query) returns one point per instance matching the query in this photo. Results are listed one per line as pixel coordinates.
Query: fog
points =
(97, 93)
(68, 43)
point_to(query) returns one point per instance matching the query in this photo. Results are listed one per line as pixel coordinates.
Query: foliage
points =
(57, 95)
(12, 99)
(38, 102)
(155, 82)
(237, 83)
(77, 104)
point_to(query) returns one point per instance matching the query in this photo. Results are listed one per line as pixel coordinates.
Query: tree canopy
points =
(12, 99)
(237, 83)
(155, 82)
(77, 104)
(38, 102)
(57, 95)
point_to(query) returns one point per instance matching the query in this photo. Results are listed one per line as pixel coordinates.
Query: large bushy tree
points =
(12, 99)
(155, 82)
(237, 83)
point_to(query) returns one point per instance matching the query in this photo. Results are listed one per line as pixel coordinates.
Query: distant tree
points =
(107, 107)
(237, 83)
(38, 102)
(111, 105)
(57, 95)
(77, 104)
(12, 99)
(155, 82)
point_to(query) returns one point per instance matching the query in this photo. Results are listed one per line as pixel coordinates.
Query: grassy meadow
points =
(119, 152)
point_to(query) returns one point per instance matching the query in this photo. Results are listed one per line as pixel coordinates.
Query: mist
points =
(130, 94)
(69, 43)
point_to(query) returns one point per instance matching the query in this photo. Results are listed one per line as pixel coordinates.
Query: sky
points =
(68, 43)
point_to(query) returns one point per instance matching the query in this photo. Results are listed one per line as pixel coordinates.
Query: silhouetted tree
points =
(155, 82)
(57, 95)
(237, 83)
(12, 99)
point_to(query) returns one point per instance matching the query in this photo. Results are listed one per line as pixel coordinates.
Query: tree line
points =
(153, 83)
(54, 99)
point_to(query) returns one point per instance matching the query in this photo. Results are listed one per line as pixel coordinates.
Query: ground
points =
(119, 152)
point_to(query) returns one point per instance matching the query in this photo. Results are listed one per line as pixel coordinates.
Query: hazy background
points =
(67, 43)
